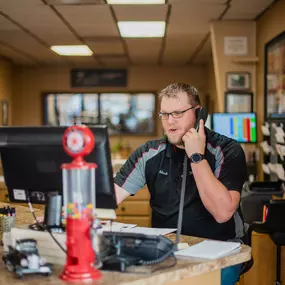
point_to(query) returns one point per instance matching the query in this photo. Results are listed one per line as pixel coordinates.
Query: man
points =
(213, 184)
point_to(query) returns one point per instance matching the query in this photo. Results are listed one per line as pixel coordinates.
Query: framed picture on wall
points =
(5, 113)
(238, 102)
(238, 81)
(274, 79)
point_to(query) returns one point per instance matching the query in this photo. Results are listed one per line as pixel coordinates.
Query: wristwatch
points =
(197, 157)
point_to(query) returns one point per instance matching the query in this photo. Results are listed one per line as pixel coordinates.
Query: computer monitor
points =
(238, 126)
(32, 158)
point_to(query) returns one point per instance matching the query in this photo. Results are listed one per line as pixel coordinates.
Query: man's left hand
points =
(195, 141)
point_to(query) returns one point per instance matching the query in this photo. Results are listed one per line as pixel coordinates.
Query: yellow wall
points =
(30, 83)
(224, 63)
(267, 27)
(212, 88)
(5, 84)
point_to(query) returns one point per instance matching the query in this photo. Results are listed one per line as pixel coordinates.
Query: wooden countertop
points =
(183, 269)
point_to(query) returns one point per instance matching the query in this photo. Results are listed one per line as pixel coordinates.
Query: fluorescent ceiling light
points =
(144, 29)
(76, 50)
(135, 2)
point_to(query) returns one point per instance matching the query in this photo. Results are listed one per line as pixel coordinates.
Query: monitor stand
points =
(53, 213)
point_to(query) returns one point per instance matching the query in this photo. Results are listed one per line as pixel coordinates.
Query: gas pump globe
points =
(79, 205)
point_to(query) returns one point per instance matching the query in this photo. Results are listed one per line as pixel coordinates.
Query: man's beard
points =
(177, 141)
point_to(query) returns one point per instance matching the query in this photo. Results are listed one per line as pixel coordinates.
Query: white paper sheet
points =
(265, 130)
(116, 227)
(266, 147)
(149, 231)
(209, 249)
(265, 168)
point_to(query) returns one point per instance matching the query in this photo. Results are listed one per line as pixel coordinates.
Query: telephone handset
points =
(201, 113)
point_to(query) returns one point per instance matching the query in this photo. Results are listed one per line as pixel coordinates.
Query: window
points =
(121, 112)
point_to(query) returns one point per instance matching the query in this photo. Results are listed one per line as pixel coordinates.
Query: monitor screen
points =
(32, 158)
(238, 126)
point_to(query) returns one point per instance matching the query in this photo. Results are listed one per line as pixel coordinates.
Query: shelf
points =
(245, 59)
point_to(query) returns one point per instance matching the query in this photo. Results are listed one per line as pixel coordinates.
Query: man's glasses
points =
(175, 114)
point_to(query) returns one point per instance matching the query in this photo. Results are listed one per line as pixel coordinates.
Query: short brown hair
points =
(173, 89)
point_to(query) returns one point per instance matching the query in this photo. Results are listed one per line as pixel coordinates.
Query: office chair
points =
(255, 196)
(274, 226)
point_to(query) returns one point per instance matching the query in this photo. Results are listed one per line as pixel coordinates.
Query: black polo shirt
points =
(159, 164)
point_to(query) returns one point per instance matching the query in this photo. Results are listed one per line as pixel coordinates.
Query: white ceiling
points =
(29, 27)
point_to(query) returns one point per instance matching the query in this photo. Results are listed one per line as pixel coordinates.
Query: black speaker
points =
(53, 212)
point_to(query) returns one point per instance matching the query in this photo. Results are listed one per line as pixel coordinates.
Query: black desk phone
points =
(128, 249)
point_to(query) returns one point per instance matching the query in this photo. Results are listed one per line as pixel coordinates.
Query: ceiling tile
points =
(189, 17)
(207, 48)
(90, 20)
(106, 47)
(205, 54)
(237, 16)
(42, 22)
(199, 1)
(144, 51)
(244, 9)
(16, 57)
(113, 60)
(140, 12)
(28, 45)
(200, 59)
(178, 50)
(212, 1)
(86, 60)
(20, 3)
(6, 25)
(75, 2)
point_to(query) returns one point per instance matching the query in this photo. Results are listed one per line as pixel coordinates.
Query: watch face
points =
(196, 157)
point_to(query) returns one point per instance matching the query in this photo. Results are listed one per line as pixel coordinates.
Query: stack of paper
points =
(209, 249)
(132, 228)
(149, 231)
(116, 226)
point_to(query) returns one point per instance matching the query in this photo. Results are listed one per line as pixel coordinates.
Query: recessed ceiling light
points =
(142, 29)
(74, 50)
(135, 2)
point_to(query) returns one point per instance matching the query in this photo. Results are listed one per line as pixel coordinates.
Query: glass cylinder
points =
(79, 192)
